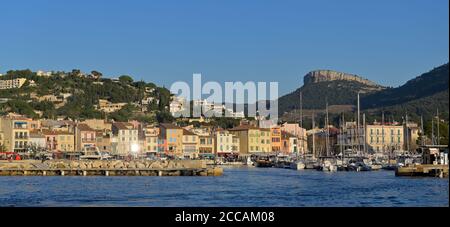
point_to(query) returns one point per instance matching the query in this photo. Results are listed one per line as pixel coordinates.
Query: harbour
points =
(237, 187)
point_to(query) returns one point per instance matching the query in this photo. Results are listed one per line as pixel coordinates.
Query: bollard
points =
(107, 173)
(84, 173)
(44, 173)
(160, 173)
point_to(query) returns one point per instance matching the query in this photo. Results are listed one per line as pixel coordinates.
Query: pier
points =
(109, 168)
(423, 170)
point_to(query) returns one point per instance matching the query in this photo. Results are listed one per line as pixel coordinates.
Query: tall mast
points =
(432, 132)
(301, 110)
(437, 117)
(341, 129)
(358, 124)
(407, 132)
(382, 130)
(301, 122)
(313, 136)
(327, 132)
(364, 132)
(422, 139)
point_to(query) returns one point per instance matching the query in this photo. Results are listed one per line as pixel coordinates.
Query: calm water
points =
(238, 187)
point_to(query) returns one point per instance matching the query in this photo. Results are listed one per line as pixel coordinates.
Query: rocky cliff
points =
(329, 75)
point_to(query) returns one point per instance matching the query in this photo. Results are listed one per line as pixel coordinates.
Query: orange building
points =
(275, 138)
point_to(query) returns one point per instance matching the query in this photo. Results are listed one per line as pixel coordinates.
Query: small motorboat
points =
(299, 165)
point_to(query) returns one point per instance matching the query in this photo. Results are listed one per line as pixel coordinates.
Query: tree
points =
(126, 79)
(164, 117)
(97, 74)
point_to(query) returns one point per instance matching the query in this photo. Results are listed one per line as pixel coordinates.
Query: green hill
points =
(422, 86)
(84, 92)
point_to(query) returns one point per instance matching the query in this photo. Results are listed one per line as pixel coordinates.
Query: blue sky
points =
(387, 41)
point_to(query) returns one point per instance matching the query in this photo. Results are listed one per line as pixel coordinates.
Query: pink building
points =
(299, 132)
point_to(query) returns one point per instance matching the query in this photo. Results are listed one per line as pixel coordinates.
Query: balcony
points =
(21, 137)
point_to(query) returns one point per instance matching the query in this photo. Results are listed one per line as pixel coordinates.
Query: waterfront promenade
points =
(108, 168)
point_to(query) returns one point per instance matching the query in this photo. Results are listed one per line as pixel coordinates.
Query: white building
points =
(14, 83)
(177, 105)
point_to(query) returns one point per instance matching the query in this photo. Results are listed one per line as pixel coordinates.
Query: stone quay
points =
(108, 168)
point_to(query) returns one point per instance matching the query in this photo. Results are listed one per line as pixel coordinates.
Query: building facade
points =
(171, 139)
(127, 142)
(384, 138)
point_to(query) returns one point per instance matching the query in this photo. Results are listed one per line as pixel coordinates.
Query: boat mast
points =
(301, 123)
(364, 132)
(327, 139)
(358, 126)
(345, 133)
(341, 130)
(407, 133)
(432, 131)
(422, 140)
(437, 116)
(313, 136)
(382, 131)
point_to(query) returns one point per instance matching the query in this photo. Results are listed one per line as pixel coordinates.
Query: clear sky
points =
(387, 41)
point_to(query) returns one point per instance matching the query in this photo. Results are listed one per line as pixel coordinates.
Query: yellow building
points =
(190, 144)
(15, 133)
(66, 141)
(265, 140)
(384, 137)
(252, 139)
(151, 135)
(225, 142)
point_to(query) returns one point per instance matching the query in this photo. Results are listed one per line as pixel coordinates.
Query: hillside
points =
(322, 85)
(75, 95)
(435, 81)
(421, 96)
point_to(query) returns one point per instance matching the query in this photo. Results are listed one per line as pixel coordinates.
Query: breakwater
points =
(108, 168)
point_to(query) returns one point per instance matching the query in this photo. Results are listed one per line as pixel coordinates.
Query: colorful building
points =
(275, 138)
(252, 139)
(127, 142)
(84, 136)
(225, 142)
(384, 137)
(171, 139)
(16, 133)
(300, 133)
(289, 143)
(190, 144)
